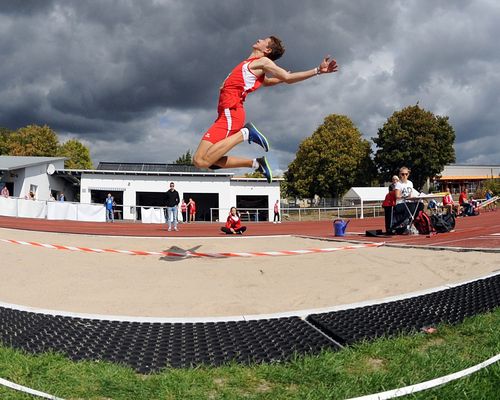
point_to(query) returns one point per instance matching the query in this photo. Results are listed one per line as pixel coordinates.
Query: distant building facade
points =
(23, 175)
(457, 176)
(138, 185)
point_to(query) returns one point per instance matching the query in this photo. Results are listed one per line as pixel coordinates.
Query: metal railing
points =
(300, 213)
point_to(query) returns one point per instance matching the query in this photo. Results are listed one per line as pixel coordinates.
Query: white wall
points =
(131, 184)
(37, 175)
(253, 188)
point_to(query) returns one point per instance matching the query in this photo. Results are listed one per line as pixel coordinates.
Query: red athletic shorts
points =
(229, 121)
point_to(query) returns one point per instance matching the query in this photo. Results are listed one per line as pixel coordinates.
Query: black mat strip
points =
(448, 306)
(148, 347)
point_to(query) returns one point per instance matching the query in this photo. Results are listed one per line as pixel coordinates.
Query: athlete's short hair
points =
(277, 48)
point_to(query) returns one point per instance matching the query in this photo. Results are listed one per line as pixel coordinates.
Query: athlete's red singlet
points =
(238, 84)
(234, 90)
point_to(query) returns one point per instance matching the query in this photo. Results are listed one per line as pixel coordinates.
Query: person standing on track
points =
(173, 199)
(229, 128)
(276, 218)
(184, 211)
(192, 210)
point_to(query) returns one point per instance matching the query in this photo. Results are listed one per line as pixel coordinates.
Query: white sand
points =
(154, 286)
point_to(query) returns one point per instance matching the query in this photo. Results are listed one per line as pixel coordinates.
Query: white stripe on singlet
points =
(249, 77)
(227, 113)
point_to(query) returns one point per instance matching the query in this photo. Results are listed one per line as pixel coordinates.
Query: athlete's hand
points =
(327, 66)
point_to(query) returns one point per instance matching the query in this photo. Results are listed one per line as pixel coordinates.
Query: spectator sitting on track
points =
(432, 206)
(448, 203)
(404, 209)
(389, 203)
(463, 200)
(233, 224)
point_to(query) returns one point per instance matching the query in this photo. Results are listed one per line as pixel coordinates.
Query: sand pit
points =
(156, 286)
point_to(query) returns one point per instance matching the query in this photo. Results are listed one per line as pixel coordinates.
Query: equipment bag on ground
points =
(423, 224)
(443, 222)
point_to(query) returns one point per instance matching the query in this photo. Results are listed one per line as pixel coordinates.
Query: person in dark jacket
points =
(173, 200)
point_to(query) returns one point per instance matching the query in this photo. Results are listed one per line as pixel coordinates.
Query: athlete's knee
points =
(200, 162)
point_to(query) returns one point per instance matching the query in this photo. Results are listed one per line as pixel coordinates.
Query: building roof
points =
(366, 193)
(464, 178)
(79, 172)
(9, 163)
(468, 172)
(124, 168)
(148, 167)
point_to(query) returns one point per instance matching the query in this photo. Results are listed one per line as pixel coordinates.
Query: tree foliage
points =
(185, 159)
(33, 140)
(254, 174)
(417, 139)
(77, 153)
(4, 137)
(329, 162)
(492, 184)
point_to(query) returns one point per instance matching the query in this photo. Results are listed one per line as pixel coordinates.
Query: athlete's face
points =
(262, 44)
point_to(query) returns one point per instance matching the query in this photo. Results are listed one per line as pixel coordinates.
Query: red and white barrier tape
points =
(193, 254)
(403, 391)
(28, 390)
(390, 394)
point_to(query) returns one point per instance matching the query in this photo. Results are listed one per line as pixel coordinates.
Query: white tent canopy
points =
(366, 194)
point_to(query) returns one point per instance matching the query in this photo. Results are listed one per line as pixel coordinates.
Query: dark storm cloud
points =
(118, 72)
(25, 7)
(120, 61)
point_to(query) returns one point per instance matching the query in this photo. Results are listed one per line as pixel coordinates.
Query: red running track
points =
(482, 231)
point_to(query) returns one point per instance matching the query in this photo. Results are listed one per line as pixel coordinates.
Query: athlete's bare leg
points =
(208, 154)
(233, 162)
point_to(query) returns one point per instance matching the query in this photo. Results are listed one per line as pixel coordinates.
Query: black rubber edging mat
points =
(149, 347)
(403, 316)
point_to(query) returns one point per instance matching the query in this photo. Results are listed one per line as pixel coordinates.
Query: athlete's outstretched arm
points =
(279, 75)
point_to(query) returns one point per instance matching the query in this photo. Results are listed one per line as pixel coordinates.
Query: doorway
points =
(256, 208)
(204, 201)
(99, 197)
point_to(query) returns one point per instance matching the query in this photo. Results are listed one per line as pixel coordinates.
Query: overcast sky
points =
(137, 81)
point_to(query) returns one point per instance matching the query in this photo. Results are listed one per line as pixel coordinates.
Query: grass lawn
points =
(366, 368)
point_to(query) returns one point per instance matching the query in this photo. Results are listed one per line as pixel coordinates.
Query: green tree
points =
(417, 139)
(33, 140)
(185, 159)
(254, 174)
(330, 161)
(492, 184)
(77, 153)
(4, 138)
